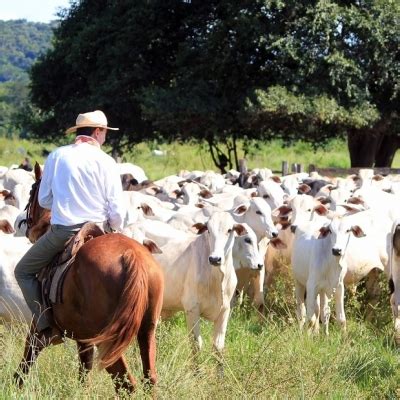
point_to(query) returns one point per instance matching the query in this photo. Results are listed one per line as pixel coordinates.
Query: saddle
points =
(52, 276)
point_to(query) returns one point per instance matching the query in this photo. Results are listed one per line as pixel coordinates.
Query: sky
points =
(31, 10)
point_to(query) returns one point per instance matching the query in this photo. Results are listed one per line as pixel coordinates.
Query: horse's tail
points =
(126, 321)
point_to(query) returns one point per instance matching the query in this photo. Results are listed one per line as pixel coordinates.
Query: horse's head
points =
(37, 218)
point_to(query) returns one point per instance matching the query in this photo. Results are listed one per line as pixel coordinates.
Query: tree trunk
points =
(363, 146)
(387, 150)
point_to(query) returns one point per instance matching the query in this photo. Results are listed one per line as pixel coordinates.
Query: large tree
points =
(223, 70)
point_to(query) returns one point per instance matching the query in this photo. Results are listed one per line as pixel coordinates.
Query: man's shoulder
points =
(59, 151)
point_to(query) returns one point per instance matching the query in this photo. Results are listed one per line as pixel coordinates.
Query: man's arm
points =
(45, 196)
(115, 199)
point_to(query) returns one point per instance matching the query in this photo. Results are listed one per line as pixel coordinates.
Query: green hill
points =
(22, 42)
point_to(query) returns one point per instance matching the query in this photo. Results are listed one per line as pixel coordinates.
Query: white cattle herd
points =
(214, 238)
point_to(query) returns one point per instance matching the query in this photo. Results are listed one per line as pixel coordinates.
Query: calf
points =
(319, 267)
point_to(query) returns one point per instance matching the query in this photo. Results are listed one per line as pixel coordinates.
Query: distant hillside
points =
(21, 43)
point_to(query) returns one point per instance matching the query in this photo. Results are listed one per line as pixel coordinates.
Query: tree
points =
(223, 70)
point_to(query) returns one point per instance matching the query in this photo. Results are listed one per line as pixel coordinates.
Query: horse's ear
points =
(38, 171)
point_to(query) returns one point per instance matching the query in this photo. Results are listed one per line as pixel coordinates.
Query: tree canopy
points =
(21, 44)
(223, 70)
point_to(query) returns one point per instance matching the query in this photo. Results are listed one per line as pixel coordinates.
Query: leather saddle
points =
(52, 276)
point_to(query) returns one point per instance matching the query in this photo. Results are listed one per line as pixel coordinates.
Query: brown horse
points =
(112, 292)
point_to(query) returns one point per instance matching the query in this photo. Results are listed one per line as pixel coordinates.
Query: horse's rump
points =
(131, 268)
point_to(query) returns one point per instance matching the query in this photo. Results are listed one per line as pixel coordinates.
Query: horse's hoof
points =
(18, 380)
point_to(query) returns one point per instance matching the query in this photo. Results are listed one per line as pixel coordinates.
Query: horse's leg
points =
(147, 344)
(33, 346)
(85, 352)
(121, 377)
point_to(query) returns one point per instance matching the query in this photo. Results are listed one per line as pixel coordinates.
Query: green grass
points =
(270, 360)
(196, 157)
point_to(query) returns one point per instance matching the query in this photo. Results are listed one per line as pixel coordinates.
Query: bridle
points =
(31, 208)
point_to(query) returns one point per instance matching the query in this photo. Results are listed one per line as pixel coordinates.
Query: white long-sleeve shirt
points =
(81, 183)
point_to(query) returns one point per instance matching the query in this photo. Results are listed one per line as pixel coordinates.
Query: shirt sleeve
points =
(45, 196)
(115, 200)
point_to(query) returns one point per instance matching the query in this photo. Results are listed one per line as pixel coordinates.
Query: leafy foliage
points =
(21, 44)
(223, 70)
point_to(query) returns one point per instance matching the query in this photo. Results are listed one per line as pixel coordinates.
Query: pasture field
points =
(271, 359)
(196, 157)
(192, 156)
(268, 360)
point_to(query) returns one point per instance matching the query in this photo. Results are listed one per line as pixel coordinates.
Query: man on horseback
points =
(80, 183)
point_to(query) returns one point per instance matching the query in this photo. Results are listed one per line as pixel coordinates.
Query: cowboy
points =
(80, 183)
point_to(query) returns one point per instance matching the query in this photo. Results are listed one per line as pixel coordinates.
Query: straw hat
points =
(95, 119)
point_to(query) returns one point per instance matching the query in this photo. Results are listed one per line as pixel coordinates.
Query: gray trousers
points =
(36, 258)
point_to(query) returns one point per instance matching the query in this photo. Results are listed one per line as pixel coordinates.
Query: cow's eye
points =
(309, 210)
(266, 196)
(229, 230)
(258, 212)
(248, 240)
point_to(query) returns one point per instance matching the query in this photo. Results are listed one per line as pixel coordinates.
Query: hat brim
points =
(74, 128)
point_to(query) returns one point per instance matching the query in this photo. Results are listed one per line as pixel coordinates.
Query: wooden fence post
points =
(285, 168)
(243, 171)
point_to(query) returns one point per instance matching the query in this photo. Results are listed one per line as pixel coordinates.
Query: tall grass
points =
(268, 360)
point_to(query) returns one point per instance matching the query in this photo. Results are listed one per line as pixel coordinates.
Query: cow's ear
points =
(6, 227)
(147, 210)
(324, 200)
(200, 228)
(275, 178)
(278, 244)
(320, 209)
(205, 193)
(355, 200)
(378, 177)
(151, 246)
(239, 229)
(4, 193)
(240, 210)
(282, 211)
(357, 231)
(178, 193)
(324, 231)
(351, 209)
(304, 189)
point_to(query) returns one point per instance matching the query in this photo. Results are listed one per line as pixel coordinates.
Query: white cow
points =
(200, 278)
(12, 302)
(319, 266)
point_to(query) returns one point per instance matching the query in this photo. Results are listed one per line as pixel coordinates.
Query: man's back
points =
(80, 182)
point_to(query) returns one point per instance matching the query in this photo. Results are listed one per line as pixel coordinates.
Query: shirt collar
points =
(87, 139)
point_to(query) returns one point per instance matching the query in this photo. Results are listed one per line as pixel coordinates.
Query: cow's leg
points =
(85, 352)
(147, 344)
(120, 375)
(339, 299)
(193, 325)
(258, 290)
(325, 312)
(300, 309)
(312, 308)
(373, 292)
(220, 326)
